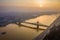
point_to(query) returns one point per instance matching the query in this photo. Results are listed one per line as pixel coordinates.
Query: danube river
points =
(15, 32)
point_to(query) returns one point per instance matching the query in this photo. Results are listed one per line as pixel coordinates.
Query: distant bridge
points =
(37, 24)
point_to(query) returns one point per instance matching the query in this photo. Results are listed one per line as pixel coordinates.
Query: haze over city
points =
(30, 4)
(29, 19)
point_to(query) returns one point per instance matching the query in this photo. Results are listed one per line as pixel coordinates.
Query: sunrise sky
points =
(42, 4)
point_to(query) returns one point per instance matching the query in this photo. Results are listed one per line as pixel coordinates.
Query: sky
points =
(42, 4)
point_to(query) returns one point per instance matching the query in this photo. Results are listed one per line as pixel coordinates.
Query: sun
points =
(41, 5)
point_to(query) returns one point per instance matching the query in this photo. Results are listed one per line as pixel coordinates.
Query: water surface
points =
(15, 32)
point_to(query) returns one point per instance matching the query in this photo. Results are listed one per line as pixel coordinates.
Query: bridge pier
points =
(37, 26)
(18, 23)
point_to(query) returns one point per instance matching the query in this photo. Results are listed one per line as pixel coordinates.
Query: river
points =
(15, 32)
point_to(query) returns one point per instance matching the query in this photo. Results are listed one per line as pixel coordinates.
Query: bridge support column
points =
(19, 24)
(37, 26)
